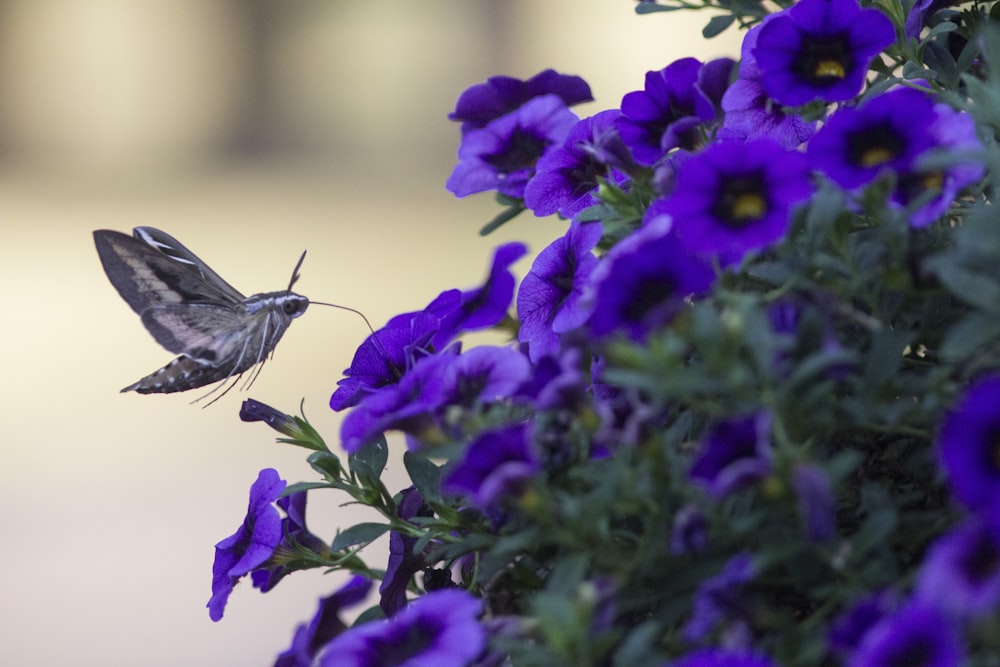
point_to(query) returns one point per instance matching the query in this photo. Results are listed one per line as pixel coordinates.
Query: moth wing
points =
(145, 275)
(175, 250)
(206, 332)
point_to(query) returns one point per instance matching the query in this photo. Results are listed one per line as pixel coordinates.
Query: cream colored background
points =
(249, 130)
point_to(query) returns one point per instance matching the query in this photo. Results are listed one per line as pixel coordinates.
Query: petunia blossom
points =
(961, 570)
(495, 466)
(820, 49)
(440, 629)
(914, 635)
(734, 452)
(325, 624)
(549, 300)
(968, 446)
(251, 545)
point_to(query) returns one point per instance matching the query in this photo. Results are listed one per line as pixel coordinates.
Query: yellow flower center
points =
(829, 67)
(875, 156)
(749, 206)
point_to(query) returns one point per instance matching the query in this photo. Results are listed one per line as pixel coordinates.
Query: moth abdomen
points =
(181, 374)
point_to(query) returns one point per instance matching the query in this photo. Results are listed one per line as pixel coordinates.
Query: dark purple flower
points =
(718, 598)
(734, 453)
(715, 657)
(566, 178)
(968, 446)
(484, 374)
(255, 411)
(384, 356)
(673, 108)
(952, 132)
(549, 299)
(816, 501)
(690, 531)
(857, 143)
(642, 283)
(920, 12)
(403, 563)
(914, 635)
(499, 95)
(850, 626)
(439, 629)
(251, 545)
(750, 113)
(295, 536)
(483, 306)
(325, 625)
(820, 49)
(735, 197)
(408, 406)
(961, 571)
(495, 466)
(502, 155)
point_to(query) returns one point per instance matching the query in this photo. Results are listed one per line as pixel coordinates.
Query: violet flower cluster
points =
(749, 410)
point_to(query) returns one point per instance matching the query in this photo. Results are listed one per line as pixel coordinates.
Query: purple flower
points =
(381, 360)
(495, 466)
(968, 446)
(483, 306)
(820, 49)
(484, 374)
(295, 536)
(567, 176)
(499, 95)
(690, 531)
(549, 299)
(439, 629)
(816, 501)
(251, 545)
(857, 144)
(714, 657)
(642, 283)
(914, 635)
(953, 132)
(735, 197)
(502, 155)
(961, 571)
(750, 113)
(403, 562)
(850, 626)
(255, 411)
(673, 108)
(325, 625)
(734, 453)
(718, 598)
(408, 406)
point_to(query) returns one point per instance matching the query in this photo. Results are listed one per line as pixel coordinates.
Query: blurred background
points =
(250, 130)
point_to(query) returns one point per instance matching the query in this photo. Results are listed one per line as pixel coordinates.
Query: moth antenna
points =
(295, 271)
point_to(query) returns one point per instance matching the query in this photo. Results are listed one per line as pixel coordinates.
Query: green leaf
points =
(502, 218)
(716, 25)
(362, 533)
(370, 460)
(424, 474)
(970, 336)
(326, 464)
(304, 486)
(974, 288)
(650, 8)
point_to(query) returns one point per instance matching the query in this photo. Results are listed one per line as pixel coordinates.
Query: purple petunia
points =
(567, 176)
(495, 466)
(499, 95)
(440, 629)
(673, 108)
(850, 626)
(502, 155)
(295, 536)
(750, 113)
(484, 374)
(251, 545)
(961, 571)
(549, 298)
(816, 501)
(735, 197)
(968, 446)
(857, 143)
(717, 599)
(325, 625)
(820, 49)
(734, 452)
(403, 562)
(714, 657)
(642, 283)
(914, 635)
